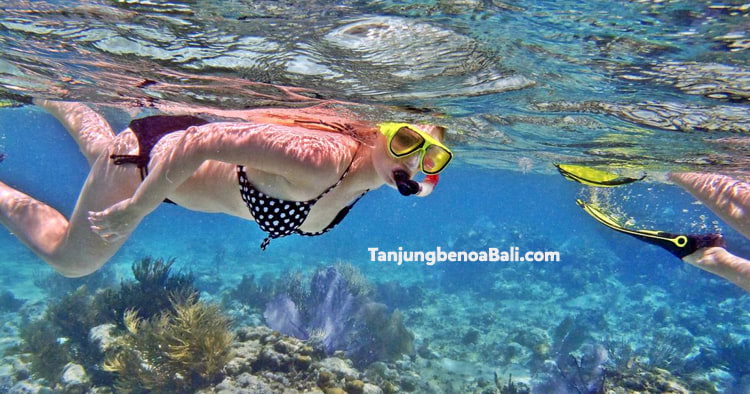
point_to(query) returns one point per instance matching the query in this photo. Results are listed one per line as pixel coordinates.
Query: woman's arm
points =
(304, 157)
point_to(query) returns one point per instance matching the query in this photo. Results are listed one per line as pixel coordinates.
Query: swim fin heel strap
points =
(679, 245)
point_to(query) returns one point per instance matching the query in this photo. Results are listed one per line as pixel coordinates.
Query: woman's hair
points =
(320, 118)
(335, 120)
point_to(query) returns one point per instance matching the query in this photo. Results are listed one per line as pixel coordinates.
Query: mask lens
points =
(405, 141)
(435, 159)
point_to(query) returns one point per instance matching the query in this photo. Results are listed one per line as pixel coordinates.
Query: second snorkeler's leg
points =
(727, 197)
(70, 246)
(38, 225)
(90, 130)
(722, 263)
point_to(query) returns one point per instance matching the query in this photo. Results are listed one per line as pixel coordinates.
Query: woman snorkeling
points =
(291, 171)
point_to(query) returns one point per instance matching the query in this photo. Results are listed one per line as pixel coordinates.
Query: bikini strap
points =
(338, 219)
(341, 179)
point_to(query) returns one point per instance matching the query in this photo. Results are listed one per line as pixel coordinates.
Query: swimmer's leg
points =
(69, 246)
(90, 130)
(727, 197)
(718, 261)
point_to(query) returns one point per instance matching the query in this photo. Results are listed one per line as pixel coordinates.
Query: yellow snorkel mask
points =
(406, 139)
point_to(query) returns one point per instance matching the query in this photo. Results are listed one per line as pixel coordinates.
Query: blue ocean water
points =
(636, 87)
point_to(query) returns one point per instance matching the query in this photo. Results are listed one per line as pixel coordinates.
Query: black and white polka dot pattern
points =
(280, 218)
(277, 217)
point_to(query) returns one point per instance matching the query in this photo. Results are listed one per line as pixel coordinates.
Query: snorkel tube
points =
(407, 186)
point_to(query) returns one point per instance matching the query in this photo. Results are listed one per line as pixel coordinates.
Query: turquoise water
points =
(635, 87)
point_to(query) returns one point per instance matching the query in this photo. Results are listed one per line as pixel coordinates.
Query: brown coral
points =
(175, 351)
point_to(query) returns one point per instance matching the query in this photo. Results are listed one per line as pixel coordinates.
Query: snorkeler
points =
(726, 197)
(292, 172)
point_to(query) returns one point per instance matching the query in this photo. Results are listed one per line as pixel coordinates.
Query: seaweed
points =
(149, 294)
(183, 348)
(40, 344)
(357, 284)
(510, 388)
(733, 355)
(249, 292)
(258, 293)
(586, 373)
(61, 335)
(9, 302)
(380, 336)
(568, 336)
(394, 294)
(73, 318)
(295, 286)
(668, 350)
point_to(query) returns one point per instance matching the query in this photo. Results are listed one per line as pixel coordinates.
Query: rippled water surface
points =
(642, 84)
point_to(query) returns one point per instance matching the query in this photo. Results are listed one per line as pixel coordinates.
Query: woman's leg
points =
(720, 262)
(727, 197)
(71, 247)
(90, 130)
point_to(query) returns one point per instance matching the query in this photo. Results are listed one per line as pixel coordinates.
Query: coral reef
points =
(653, 380)
(339, 314)
(267, 362)
(183, 348)
(61, 335)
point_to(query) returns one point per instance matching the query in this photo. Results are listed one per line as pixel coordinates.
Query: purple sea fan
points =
(574, 375)
(283, 316)
(330, 308)
(338, 314)
(333, 308)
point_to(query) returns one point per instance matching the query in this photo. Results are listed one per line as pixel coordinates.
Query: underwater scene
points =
(375, 196)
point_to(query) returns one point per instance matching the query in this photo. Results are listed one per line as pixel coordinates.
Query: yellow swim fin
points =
(679, 245)
(8, 103)
(592, 176)
(10, 99)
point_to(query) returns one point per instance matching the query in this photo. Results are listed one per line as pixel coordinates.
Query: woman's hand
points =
(115, 222)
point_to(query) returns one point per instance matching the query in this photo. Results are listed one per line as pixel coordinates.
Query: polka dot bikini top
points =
(280, 218)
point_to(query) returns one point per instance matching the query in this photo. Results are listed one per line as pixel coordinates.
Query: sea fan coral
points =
(339, 315)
